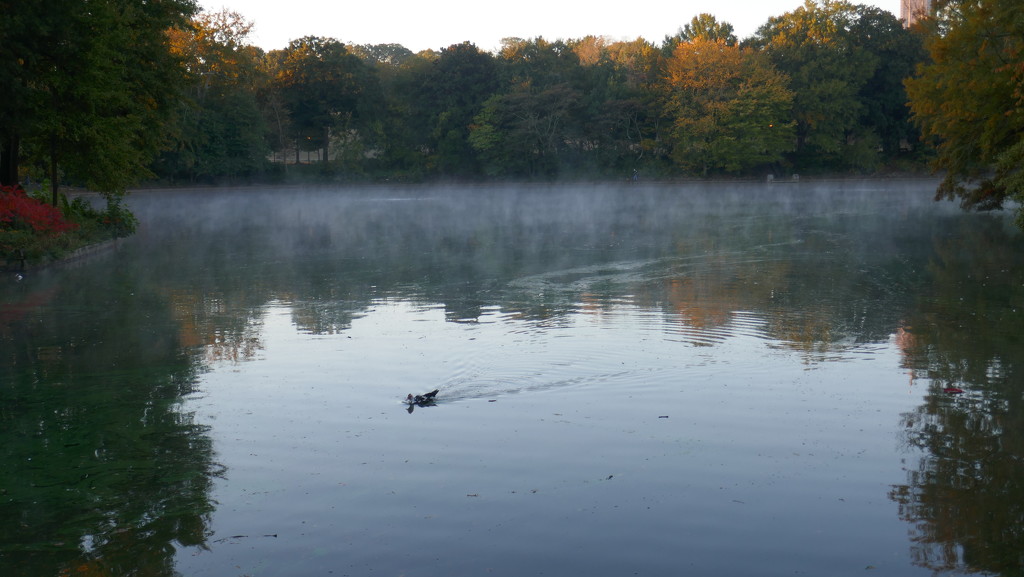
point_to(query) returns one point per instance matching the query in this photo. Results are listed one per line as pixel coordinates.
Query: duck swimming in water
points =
(423, 399)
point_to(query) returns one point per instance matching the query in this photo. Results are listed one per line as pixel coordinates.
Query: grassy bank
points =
(33, 232)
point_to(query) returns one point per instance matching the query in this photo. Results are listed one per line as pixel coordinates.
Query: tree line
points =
(104, 93)
(819, 89)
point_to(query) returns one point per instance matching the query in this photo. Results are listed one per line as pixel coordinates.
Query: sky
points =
(425, 24)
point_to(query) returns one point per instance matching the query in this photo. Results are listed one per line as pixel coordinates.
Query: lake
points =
(814, 378)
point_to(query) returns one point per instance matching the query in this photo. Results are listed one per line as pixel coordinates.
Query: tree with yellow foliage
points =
(219, 128)
(731, 109)
(970, 98)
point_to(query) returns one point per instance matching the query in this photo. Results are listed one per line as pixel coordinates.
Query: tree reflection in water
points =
(964, 498)
(103, 473)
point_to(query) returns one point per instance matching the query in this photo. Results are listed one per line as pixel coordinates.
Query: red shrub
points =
(19, 210)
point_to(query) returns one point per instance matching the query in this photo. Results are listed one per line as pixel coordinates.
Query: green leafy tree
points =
(562, 88)
(96, 82)
(18, 46)
(704, 26)
(220, 129)
(828, 70)
(569, 108)
(524, 133)
(883, 97)
(970, 99)
(538, 63)
(405, 126)
(731, 110)
(325, 88)
(616, 116)
(454, 90)
(389, 54)
(276, 115)
(631, 114)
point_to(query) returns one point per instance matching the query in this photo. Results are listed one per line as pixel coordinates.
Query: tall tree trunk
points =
(53, 169)
(327, 145)
(9, 160)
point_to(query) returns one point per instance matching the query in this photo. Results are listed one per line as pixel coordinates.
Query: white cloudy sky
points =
(422, 24)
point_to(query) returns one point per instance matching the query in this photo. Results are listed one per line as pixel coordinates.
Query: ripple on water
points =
(615, 347)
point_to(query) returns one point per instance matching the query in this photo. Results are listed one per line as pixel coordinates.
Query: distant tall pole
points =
(913, 10)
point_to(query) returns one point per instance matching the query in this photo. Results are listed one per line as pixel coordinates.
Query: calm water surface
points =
(664, 380)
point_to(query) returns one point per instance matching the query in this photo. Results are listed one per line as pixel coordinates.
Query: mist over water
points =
(505, 239)
(711, 379)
